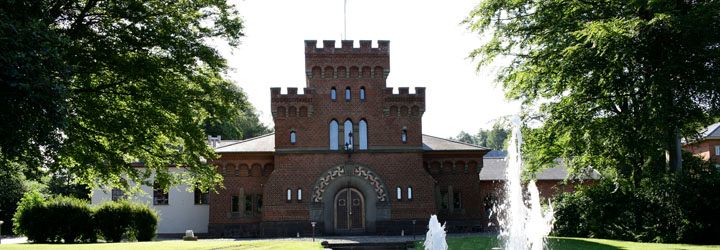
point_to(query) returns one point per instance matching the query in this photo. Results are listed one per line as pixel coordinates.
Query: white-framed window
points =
(347, 93)
(333, 135)
(333, 94)
(717, 150)
(363, 134)
(292, 137)
(409, 193)
(348, 128)
(117, 194)
(362, 93)
(404, 135)
(399, 193)
(289, 194)
(299, 194)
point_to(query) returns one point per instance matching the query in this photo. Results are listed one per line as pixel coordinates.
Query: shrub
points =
(126, 220)
(113, 220)
(665, 208)
(60, 218)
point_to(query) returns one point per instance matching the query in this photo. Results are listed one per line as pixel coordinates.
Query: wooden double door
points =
(349, 211)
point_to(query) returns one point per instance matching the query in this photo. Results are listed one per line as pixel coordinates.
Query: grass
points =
(559, 243)
(175, 245)
(473, 242)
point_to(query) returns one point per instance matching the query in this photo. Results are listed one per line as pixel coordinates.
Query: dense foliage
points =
(61, 219)
(246, 125)
(667, 209)
(11, 191)
(88, 86)
(613, 83)
(124, 220)
(71, 220)
(494, 138)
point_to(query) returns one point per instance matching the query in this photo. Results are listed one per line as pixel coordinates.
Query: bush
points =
(665, 208)
(125, 220)
(61, 218)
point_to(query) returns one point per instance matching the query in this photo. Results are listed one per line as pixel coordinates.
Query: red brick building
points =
(707, 146)
(348, 154)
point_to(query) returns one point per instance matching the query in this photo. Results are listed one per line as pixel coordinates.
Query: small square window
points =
(117, 194)
(160, 197)
(201, 198)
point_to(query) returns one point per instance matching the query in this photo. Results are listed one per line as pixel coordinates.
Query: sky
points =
(429, 48)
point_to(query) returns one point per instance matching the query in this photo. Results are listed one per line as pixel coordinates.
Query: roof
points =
(494, 169)
(266, 143)
(432, 143)
(711, 132)
(263, 143)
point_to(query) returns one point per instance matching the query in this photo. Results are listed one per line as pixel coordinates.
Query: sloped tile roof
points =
(712, 132)
(266, 143)
(494, 169)
(432, 143)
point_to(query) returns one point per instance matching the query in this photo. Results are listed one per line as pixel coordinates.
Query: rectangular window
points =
(201, 198)
(457, 203)
(160, 197)
(443, 200)
(235, 204)
(299, 194)
(259, 203)
(248, 205)
(117, 194)
(717, 150)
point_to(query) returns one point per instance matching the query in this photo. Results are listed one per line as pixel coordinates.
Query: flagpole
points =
(344, 19)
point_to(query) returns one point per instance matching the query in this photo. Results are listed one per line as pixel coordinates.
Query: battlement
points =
(292, 94)
(405, 92)
(328, 47)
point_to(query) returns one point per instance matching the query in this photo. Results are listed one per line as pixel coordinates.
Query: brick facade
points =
(441, 180)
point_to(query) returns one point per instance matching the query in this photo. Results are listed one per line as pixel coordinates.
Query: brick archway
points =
(363, 172)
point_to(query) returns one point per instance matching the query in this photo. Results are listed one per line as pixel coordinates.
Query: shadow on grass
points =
(566, 243)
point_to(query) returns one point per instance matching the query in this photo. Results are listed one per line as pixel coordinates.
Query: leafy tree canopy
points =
(89, 86)
(494, 138)
(244, 126)
(615, 81)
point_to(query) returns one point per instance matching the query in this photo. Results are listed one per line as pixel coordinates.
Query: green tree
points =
(497, 136)
(466, 138)
(615, 81)
(244, 126)
(88, 86)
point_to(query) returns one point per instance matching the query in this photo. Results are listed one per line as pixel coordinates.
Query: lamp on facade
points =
(349, 145)
(313, 230)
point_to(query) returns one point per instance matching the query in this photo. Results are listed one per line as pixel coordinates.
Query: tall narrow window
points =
(299, 194)
(235, 204)
(404, 135)
(333, 94)
(289, 195)
(248, 205)
(347, 94)
(160, 197)
(362, 93)
(333, 135)
(363, 135)
(259, 203)
(457, 201)
(399, 193)
(201, 198)
(409, 193)
(292, 137)
(717, 150)
(348, 130)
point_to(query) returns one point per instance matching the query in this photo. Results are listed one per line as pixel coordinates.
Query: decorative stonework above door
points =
(362, 172)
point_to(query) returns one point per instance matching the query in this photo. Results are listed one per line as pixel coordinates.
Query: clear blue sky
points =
(428, 48)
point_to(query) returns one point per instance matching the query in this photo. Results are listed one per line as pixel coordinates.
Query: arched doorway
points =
(349, 206)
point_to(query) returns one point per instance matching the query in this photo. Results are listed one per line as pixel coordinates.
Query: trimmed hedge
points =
(132, 221)
(70, 220)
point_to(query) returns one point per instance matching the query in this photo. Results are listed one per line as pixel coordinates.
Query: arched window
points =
(348, 128)
(299, 194)
(404, 135)
(292, 137)
(333, 94)
(409, 193)
(289, 194)
(399, 193)
(362, 93)
(347, 93)
(333, 135)
(363, 135)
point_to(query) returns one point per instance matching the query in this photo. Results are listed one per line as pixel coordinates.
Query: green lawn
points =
(174, 245)
(454, 243)
(558, 243)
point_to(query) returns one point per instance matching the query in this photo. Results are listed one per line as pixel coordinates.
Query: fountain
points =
(523, 225)
(435, 237)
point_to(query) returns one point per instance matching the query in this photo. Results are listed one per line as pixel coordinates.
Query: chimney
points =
(214, 141)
